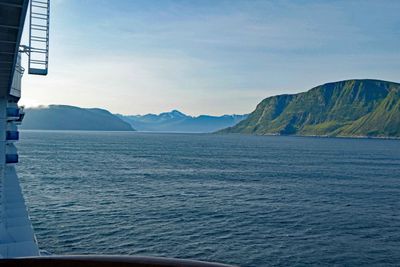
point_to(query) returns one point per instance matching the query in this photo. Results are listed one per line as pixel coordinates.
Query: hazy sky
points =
(210, 57)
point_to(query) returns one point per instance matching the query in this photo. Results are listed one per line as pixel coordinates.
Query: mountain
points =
(62, 117)
(176, 121)
(345, 108)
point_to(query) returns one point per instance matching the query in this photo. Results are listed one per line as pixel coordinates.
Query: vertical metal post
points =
(30, 33)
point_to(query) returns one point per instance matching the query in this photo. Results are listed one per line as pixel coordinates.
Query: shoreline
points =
(319, 136)
(218, 133)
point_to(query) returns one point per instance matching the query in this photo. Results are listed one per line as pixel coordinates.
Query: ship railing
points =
(105, 261)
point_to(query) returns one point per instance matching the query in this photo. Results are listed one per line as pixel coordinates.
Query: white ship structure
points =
(17, 238)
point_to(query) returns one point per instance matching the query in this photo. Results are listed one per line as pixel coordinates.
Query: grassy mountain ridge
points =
(345, 108)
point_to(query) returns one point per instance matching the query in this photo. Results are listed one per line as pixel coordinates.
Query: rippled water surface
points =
(248, 200)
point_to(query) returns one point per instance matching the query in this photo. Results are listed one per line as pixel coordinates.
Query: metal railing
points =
(105, 261)
(39, 22)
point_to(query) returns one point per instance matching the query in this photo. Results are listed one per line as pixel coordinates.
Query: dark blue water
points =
(247, 200)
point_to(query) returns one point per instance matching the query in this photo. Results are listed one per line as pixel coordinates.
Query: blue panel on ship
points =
(11, 158)
(12, 135)
(13, 112)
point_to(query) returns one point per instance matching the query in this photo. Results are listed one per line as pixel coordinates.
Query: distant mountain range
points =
(346, 108)
(62, 117)
(176, 121)
(355, 108)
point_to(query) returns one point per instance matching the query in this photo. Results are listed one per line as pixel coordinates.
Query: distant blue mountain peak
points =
(177, 121)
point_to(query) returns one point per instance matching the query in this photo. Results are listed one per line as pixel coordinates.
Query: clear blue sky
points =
(210, 57)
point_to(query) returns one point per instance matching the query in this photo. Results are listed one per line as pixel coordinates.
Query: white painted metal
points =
(39, 23)
(16, 84)
(17, 238)
(16, 232)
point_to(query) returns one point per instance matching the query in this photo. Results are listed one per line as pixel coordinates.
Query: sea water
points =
(246, 200)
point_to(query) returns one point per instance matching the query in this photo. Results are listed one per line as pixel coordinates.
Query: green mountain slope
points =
(345, 108)
(62, 117)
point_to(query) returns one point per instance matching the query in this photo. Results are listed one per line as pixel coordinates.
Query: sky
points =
(209, 56)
